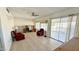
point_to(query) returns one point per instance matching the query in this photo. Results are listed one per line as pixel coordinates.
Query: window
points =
(44, 26)
(37, 25)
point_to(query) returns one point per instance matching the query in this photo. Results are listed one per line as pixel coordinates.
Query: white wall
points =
(21, 22)
(7, 22)
(6, 28)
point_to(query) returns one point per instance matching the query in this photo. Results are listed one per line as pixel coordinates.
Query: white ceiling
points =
(26, 12)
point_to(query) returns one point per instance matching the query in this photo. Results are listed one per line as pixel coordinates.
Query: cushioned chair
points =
(17, 36)
(40, 32)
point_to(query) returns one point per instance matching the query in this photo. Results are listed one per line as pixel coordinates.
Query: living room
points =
(28, 21)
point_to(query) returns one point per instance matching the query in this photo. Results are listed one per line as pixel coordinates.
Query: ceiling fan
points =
(7, 10)
(33, 14)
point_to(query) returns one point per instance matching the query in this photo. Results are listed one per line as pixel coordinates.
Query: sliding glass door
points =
(63, 28)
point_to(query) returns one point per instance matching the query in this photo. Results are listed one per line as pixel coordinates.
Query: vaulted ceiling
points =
(26, 12)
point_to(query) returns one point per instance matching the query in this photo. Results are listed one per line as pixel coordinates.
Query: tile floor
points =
(35, 43)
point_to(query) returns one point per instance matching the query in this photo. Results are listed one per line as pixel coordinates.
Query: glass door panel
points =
(73, 24)
(55, 28)
(63, 29)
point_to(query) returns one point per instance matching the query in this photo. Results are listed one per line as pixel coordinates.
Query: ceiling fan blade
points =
(33, 14)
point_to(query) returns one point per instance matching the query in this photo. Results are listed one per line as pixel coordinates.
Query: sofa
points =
(17, 36)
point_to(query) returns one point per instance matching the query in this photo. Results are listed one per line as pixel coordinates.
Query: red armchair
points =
(17, 36)
(40, 32)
